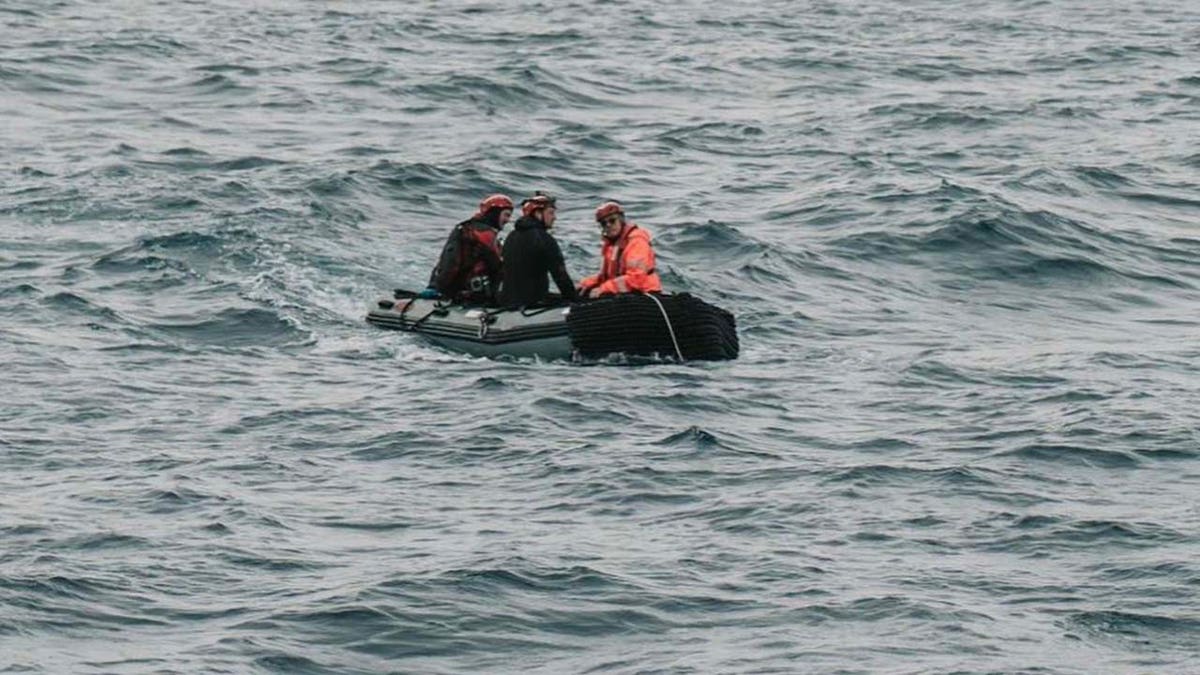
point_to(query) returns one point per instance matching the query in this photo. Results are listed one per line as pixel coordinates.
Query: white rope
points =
(669, 326)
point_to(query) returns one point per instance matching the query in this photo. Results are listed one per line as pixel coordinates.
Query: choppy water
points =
(961, 242)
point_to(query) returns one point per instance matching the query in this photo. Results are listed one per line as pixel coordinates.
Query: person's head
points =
(541, 206)
(495, 210)
(611, 219)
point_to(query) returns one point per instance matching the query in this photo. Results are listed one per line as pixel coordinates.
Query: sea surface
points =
(962, 242)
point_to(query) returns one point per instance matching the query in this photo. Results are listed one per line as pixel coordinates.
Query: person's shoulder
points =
(640, 232)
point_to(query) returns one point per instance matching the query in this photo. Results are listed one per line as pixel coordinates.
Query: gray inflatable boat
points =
(676, 327)
(480, 331)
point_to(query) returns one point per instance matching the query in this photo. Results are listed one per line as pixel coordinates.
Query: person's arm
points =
(490, 254)
(558, 270)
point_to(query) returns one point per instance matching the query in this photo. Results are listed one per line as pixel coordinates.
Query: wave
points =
(1166, 571)
(31, 172)
(583, 138)
(408, 175)
(358, 72)
(237, 328)
(172, 500)
(74, 303)
(1100, 56)
(1143, 632)
(19, 11)
(1102, 177)
(1036, 534)
(186, 278)
(1062, 453)
(723, 138)
(56, 586)
(41, 80)
(709, 240)
(20, 291)
(899, 475)
(527, 89)
(152, 45)
(997, 241)
(186, 253)
(931, 371)
(215, 84)
(933, 117)
(521, 575)
(274, 563)
(882, 608)
(575, 601)
(1164, 198)
(186, 158)
(946, 68)
(240, 69)
(703, 442)
(171, 260)
(103, 540)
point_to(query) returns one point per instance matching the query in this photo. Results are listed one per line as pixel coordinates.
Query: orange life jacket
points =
(626, 265)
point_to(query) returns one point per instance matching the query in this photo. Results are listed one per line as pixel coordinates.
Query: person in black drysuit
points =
(530, 253)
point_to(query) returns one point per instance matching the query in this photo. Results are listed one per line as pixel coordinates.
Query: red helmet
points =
(607, 209)
(537, 201)
(496, 201)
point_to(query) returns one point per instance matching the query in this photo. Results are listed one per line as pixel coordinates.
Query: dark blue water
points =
(962, 244)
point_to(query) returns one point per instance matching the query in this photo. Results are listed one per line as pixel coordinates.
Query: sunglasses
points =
(611, 220)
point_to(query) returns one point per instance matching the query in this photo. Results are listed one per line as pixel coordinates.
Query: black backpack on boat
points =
(446, 274)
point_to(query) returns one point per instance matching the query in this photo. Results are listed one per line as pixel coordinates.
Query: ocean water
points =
(962, 242)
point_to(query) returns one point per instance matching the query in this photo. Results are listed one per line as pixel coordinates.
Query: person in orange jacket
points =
(626, 259)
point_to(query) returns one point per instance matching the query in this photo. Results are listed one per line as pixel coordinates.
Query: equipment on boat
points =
(676, 326)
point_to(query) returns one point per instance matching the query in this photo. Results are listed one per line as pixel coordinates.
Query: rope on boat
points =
(670, 328)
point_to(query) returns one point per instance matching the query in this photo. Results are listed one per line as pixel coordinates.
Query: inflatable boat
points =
(677, 327)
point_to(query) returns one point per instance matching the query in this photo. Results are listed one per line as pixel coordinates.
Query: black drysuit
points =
(530, 253)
